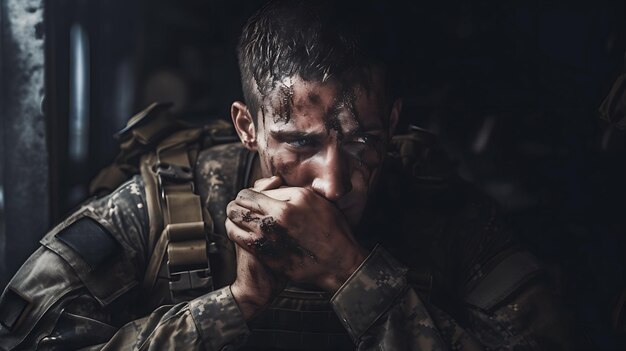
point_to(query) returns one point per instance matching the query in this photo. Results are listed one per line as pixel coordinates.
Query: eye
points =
(364, 139)
(367, 139)
(361, 143)
(301, 143)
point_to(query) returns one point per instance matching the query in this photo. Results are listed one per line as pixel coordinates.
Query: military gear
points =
(164, 151)
(438, 243)
(92, 242)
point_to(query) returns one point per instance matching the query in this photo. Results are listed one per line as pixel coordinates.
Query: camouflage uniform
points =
(432, 244)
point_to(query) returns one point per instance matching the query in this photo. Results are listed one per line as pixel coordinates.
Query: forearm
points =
(378, 308)
(76, 320)
(48, 306)
(210, 322)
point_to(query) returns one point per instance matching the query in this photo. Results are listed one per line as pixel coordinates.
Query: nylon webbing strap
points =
(187, 260)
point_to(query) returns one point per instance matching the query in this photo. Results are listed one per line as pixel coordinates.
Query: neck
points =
(255, 170)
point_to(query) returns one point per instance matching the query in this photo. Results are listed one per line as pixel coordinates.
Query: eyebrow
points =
(288, 135)
(363, 131)
(291, 135)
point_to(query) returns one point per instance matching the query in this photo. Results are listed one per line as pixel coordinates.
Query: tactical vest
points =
(297, 319)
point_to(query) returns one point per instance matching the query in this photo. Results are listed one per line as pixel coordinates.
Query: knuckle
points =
(234, 214)
(241, 195)
(302, 192)
(230, 208)
(286, 210)
(305, 194)
(244, 194)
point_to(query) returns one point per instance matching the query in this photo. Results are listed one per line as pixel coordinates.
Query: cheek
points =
(369, 159)
(289, 166)
(365, 172)
(361, 177)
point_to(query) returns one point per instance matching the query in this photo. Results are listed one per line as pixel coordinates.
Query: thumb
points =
(272, 182)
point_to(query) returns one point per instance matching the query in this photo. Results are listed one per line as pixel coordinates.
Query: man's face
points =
(325, 137)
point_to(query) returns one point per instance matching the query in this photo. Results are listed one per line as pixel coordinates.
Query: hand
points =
(255, 285)
(296, 232)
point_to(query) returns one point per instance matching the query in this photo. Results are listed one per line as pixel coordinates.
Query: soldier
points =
(324, 232)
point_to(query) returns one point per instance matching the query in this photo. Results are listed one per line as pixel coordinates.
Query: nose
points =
(332, 178)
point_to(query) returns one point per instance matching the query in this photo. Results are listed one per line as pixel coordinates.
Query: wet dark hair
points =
(317, 40)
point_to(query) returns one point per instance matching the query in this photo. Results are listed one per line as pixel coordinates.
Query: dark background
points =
(512, 89)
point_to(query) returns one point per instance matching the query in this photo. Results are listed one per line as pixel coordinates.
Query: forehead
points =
(310, 104)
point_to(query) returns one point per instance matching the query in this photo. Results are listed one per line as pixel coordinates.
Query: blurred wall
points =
(24, 206)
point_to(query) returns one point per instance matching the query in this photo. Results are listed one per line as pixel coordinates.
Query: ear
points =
(244, 125)
(396, 108)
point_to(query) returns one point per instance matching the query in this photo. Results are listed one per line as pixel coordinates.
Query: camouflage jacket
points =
(442, 274)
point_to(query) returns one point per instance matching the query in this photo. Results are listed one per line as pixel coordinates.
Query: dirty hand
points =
(297, 233)
(255, 285)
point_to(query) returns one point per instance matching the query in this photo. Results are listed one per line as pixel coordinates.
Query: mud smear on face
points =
(286, 168)
(332, 121)
(263, 114)
(277, 243)
(314, 98)
(285, 104)
(281, 168)
(349, 101)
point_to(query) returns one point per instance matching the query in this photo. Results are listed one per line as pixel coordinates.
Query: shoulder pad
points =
(503, 280)
(87, 244)
(156, 115)
(90, 240)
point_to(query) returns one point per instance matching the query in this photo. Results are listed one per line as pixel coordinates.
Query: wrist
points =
(249, 304)
(348, 266)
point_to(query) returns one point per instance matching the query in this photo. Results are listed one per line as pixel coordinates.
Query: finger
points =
(271, 252)
(258, 202)
(240, 236)
(267, 183)
(236, 211)
(285, 193)
(243, 217)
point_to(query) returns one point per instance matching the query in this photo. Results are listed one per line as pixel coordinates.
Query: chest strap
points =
(177, 218)
(185, 226)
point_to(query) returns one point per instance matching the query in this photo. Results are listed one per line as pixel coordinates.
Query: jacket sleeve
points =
(79, 290)
(380, 311)
(512, 306)
(509, 300)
